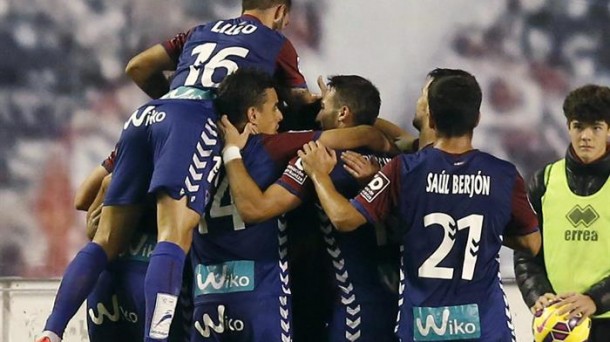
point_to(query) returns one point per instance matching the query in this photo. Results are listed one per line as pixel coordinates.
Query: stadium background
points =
(64, 96)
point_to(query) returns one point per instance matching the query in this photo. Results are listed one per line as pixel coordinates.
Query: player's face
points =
(421, 109)
(589, 140)
(268, 116)
(329, 111)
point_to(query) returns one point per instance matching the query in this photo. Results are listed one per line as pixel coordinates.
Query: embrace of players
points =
(190, 241)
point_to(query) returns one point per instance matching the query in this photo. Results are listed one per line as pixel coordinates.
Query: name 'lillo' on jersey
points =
(447, 184)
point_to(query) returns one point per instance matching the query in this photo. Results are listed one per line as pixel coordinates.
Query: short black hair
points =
(588, 104)
(241, 90)
(263, 4)
(359, 94)
(444, 72)
(455, 103)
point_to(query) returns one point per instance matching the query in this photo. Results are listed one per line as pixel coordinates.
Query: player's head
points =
(248, 95)
(421, 109)
(277, 11)
(350, 101)
(454, 103)
(587, 110)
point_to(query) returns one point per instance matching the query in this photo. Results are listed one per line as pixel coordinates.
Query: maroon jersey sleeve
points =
(174, 46)
(523, 218)
(295, 180)
(378, 198)
(288, 67)
(108, 163)
(283, 146)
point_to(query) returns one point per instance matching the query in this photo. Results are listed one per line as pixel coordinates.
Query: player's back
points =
(214, 50)
(455, 210)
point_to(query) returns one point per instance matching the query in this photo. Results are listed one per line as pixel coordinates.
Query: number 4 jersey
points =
(454, 211)
(242, 269)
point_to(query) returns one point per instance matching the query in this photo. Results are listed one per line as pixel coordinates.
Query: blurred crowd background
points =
(64, 96)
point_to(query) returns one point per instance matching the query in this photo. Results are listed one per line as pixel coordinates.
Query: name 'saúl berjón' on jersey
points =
(448, 184)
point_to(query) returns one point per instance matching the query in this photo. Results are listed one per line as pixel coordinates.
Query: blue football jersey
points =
(364, 304)
(454, 211)
(245, 260)
(208, 53)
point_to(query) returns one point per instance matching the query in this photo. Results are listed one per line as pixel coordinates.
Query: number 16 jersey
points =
(453, 211)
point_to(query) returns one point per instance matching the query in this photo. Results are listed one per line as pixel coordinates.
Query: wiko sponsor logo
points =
(223, 323)
(145, 116)
(114, 314)
(446, 323)
(140, 249)
(230, 276)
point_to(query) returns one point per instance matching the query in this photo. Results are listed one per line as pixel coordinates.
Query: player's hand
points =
(361, 168)
(93, 220)
(544, 301)
(316, 158)
(322, 85)
(576, 305)
(231, 135)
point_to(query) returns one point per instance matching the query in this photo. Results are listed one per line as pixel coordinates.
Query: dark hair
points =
(241, 90)
(454, 103)
(444, 72)
(263, 4)
(359, 94)
(588, 104)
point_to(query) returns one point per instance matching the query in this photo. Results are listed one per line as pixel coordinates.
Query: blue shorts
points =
(264, 320)
(116, 306)
(170, 146)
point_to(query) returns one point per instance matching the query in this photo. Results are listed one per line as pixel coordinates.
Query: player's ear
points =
(252, 115)
(280, 12)
(431, 121)
(344, 114)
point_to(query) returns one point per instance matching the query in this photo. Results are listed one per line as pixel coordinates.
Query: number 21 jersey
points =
(454, 211)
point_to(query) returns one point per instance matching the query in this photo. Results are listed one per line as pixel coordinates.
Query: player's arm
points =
(404, 140)
(86, 192)
(147, 69)
(358, 136)
(290, 77)
(318, 163)
(95, 210)
(253, 204)
(529, 243)
(522, 231)
(530, 271)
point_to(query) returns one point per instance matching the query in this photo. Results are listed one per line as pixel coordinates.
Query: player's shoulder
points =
(500, 165)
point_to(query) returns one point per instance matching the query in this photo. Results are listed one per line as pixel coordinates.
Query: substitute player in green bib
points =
(571, 198)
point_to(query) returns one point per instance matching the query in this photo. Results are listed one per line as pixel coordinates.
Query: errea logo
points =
(581, 219)
(586, 216)
(375, 186)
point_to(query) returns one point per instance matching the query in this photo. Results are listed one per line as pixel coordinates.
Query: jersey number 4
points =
(212, 61)
(474, 224)
(222, 206)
